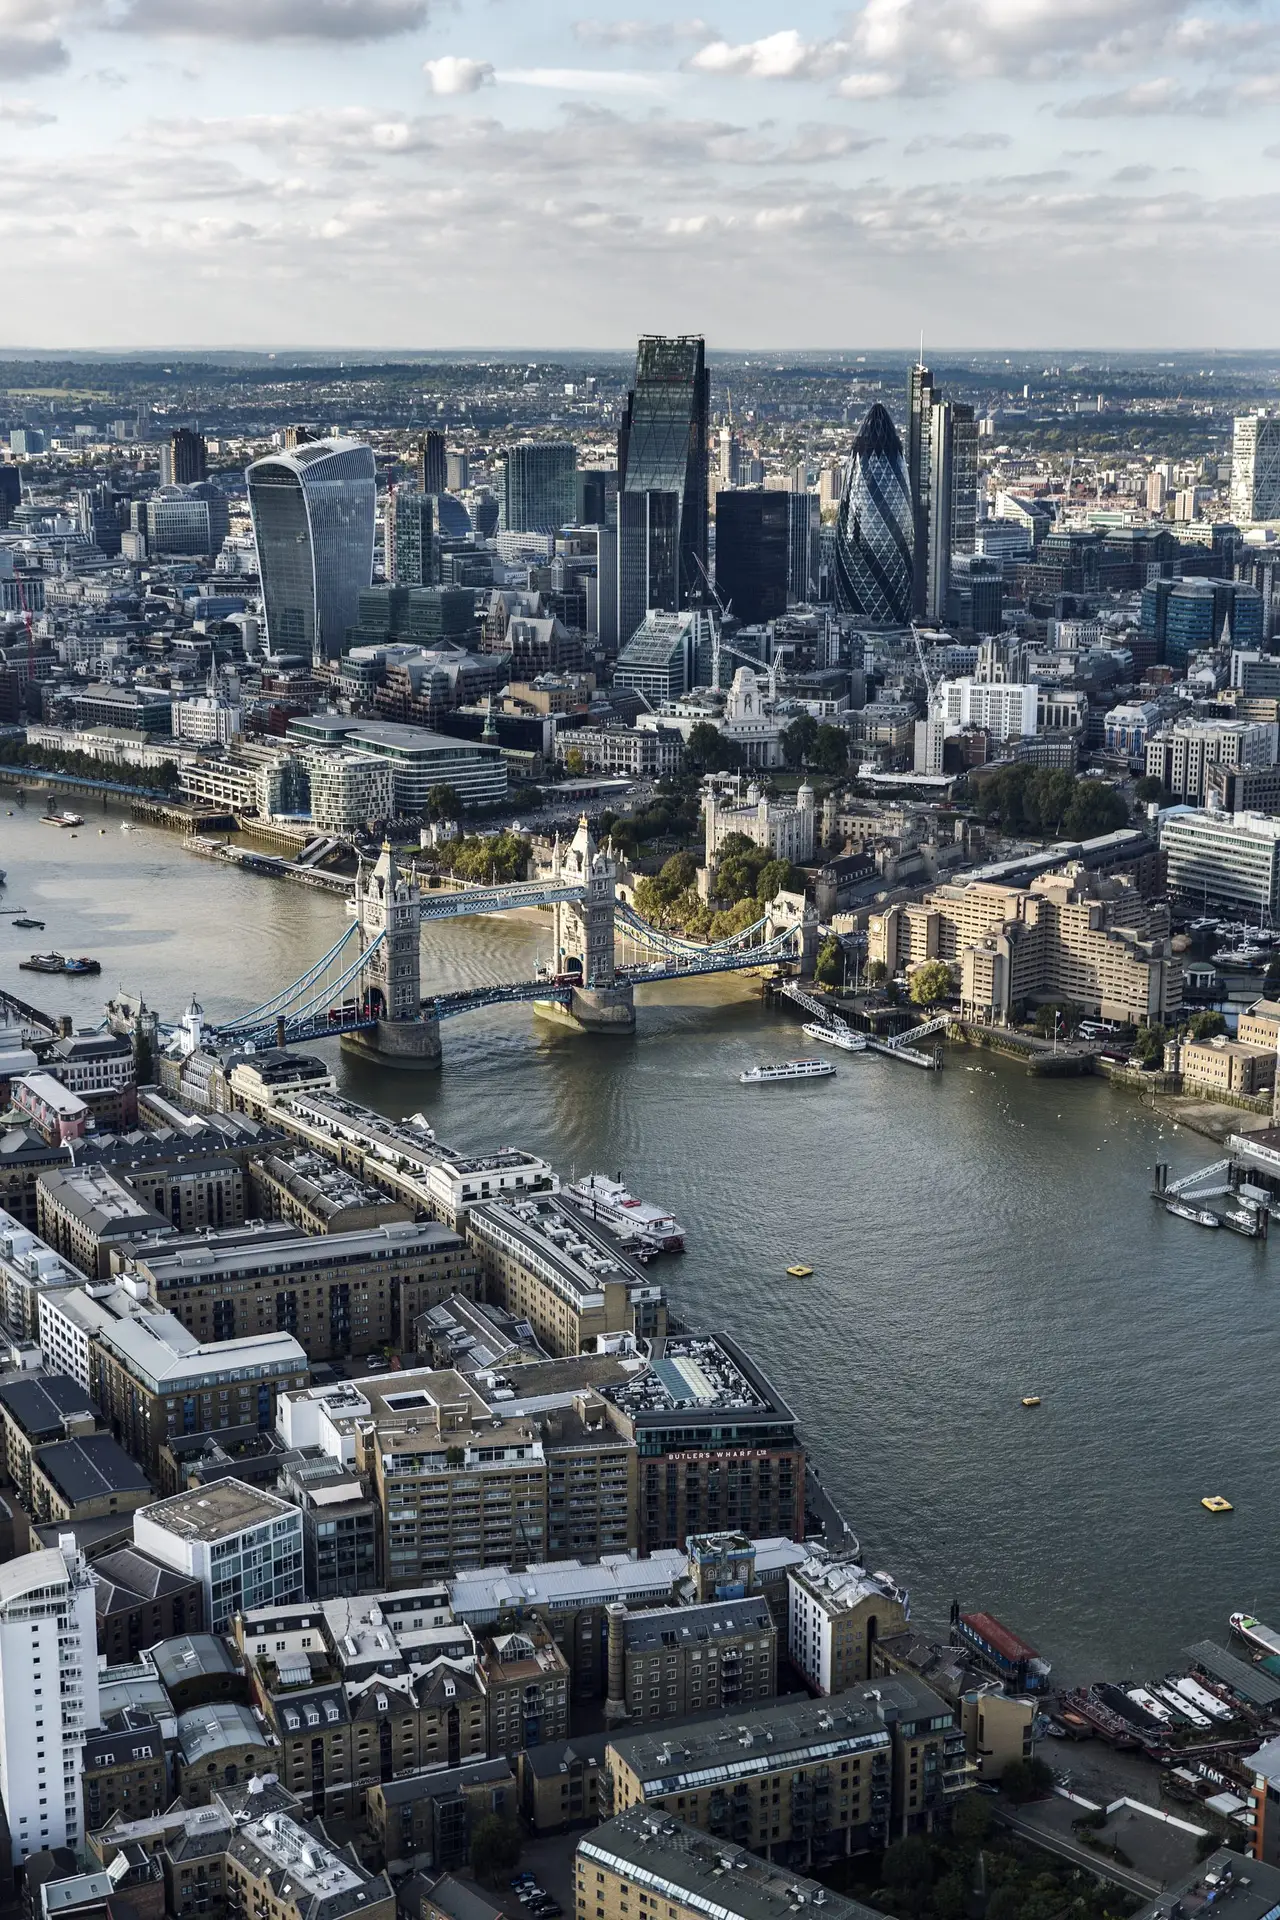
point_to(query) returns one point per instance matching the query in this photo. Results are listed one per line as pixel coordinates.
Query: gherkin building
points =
(875, 528)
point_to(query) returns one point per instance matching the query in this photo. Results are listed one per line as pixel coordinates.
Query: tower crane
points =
(720, 645)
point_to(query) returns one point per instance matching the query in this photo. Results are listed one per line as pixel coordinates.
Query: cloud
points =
(582, 79)
(452, 73)
(319, 20)
(1133, 176)
(25, 113)
(1145, 98)
(30, 39)
(973, 142)
(640, 33)
(779, 56)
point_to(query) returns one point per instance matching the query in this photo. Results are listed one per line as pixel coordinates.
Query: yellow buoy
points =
(1216, 1504)
(1031, 1399)
(799, 1271)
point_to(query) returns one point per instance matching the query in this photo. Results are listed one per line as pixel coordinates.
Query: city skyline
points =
(1080, 173)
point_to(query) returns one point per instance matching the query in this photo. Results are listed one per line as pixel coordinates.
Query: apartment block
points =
(526, 1682)
(315, 1196)
(242, 1544)
(837, 1613)
(1067, 936)
(1180, 756)
(86, 1211)
(543, 1263)
(48, 1696)
(668, 1662)
(428, 1817)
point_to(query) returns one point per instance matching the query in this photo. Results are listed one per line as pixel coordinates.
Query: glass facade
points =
(410, 539)
(1187, 616)
(539, 486)
(313, 519)
(875, 529)
(752, 553)
(662, 451)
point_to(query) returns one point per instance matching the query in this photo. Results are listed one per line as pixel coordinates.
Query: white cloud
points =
(582, 79)
(452, 73)
(779, 56)
(975, 141)
(25, 113)
(31, 41)
(1145, 98)
(320, 20)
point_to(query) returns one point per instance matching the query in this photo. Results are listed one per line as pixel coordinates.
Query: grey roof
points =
(213, 1729)
(191, 1655)
(38, 1404)
(1251, 1892)
(442, 1786)
(125, 1576)
(116, 1747)
(659, 1627)
(1254, 1684)
(550, 1758)
(90, 1468)
(461, 1902)
(658, 1852)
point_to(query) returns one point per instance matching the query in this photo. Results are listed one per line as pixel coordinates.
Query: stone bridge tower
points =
(584, 931)
(388, 903)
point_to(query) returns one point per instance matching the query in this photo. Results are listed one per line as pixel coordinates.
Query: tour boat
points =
(63, 819)
(788, 1070)
(25, 920)
(1199, 1216)
(838, 1036)
(58, 963)
(609, 1202)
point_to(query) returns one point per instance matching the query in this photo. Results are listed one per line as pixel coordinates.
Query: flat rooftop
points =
(91, 1468)
(655, 1628)
(234, 1257)
(224, 1506)
(1227, 1884)
(712, 1876)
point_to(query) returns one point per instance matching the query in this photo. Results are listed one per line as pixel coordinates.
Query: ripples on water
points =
(975, 1236)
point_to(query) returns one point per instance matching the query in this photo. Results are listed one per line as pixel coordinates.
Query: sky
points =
(428, 174)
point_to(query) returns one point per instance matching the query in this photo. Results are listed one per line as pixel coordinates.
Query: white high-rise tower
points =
(48, 1694)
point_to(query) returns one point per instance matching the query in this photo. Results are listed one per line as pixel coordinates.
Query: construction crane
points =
(720, 645)
(930, 684)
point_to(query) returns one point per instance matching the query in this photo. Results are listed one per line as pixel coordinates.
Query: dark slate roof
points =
(462, 1902)
(1246, 1681)
(546, 1759)
(124, 1576)
(441, 1786)
(191, 1655)
(88, 1468)
(652, 1629)
(104, 1748)
(37, 1404)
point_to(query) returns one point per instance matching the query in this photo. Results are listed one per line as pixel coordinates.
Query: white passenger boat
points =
(1265, 1639)
(847, 1038)
(788, 1070)
(609, 1202)
(1199, 1216)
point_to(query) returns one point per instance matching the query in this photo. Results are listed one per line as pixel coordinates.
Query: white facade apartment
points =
(822, 1594)
(243, 1545)
(1006, 709)
(1180, 756)
(1223, 859)
(348, 790)
(29, 1268)
(1255, 468)
(48, 1694)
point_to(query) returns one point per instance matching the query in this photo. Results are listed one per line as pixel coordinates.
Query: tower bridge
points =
(367, 990)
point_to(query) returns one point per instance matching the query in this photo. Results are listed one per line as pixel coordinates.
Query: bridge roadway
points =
(450, 904)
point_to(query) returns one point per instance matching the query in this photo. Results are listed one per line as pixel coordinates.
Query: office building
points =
(837, 1613)
(241, 1543)
(1185, 617)
(942, 465)
(1004, 709)
(659, 655)
(662, 481)
(26, 442)
(409, 538)
(804, 545)
(48, 1696)
(433, 464)
(539, 486)
(667, 1663)
(1181, 755)
(753, 551)
(875, 529)
(1068, 936)
(1255, 468)
(545, 1263)
(683, 1874)
(341, 1528)
(184, 459)
(186, 520)
(418, 759)
(10, 493)
(313, 520)
(1223, 860)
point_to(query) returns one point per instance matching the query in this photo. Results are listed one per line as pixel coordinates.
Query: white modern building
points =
(1128, 725)
(836, 1611)
(1181, 755)
(242, 1544)
(1255, 468)
(1229, 860)
(348, 791)
(48, 1694)
(1006, 709)
(29, 1267)
(207, 720)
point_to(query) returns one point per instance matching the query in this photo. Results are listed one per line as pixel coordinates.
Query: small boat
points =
(799, 1271)
(1031, 1399)
(836, 1036)
(1215, 1503)
(1199, 1216)
(63, 819)
(1264, 1638)
(25, 920)
(58, 963)
(608, 1201)
(788, 1070)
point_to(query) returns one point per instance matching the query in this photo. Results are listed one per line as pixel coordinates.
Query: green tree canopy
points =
(799, 740)
(444, 802)
(495, 1847)
(1207, 1026)
(484, 859)
(930, 982)
(829, 967)
(1095, 809)
(830, 751)
(709, 751)
(1025, 1780)
(775, 877)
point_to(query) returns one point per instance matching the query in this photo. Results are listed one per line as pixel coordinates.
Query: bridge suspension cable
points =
(269, 1008)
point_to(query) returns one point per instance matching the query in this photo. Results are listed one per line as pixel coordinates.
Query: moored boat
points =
(1256, 1633)
(839, 1035)
(788, 1070)
(62, 819)
(59, 963)
(1199, 1216)
(609, 1202)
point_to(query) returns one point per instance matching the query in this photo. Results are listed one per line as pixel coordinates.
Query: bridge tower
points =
(388, 903)
(584, 931)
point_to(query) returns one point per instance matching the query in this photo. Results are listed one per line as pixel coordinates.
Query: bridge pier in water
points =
(389, 904)
(584, 931)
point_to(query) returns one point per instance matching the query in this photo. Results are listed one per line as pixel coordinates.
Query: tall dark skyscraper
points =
(753, 540)
(942, 467)
(873, 544)
(539, 486)
(10, 492)
(433, 465)
(662, 480)
(919, 422)
(185, 460)
(409, 538)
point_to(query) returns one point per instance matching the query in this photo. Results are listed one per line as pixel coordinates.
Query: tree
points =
(971, 1820)
(908, 1868)
(930, 982)
(1096, 809)
(1048, 795)
(1207, 1026)
(444, 803)
(709, 751)
(829, 967)
(495, 1847)
(799, 739)
(1271, 980)
(1059, 1016)
(830, 752)
(1025, 1780)
(1150, 787)
(877, 973)
(574, 763)
(1148, 1045)
(775, 877)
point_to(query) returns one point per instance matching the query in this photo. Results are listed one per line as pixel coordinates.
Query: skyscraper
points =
(10, 492)
(313, 519)
(184, 460)
(919, 475)
(433, 465)
(409, 538)
(874, 528)
(753, 530)
(1255, 468)
(48, 1695)
(942, 468)
(662, 480)
(539, 486)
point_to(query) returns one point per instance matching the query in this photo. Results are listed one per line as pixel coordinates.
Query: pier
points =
(899, 1047)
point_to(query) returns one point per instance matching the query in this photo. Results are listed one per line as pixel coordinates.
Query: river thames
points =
(975, 1236)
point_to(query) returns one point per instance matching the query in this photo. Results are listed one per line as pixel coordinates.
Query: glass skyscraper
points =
(753, 534)
(539, 486)
(662, 480)
(874, 529)
(313, 512)
(409, 545)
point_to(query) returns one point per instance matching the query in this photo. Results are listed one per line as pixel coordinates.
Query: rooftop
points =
(225, 1506)
(39, 1403)
(711, 1876)
(90, 1468)
(1235, 1889)
(214, 1727)
(684, 1626)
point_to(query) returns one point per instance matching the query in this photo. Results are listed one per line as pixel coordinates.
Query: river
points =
(976, 1235)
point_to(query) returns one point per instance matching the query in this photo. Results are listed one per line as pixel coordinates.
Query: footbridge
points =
(367, 989)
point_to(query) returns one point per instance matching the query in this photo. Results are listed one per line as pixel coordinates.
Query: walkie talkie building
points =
(875, 528)
(313, 520)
